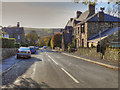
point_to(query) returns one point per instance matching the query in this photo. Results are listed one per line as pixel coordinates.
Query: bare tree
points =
(114, 11)
(109, 10)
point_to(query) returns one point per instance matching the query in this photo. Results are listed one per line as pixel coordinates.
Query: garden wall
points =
(111, 55)
(7, 52)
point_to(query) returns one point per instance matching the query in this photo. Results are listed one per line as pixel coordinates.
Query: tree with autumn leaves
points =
(56, 40)
(47, 40)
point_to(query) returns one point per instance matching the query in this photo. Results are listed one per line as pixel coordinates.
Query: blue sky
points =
(42, 14)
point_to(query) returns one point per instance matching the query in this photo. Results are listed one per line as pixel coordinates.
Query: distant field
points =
(43, 32)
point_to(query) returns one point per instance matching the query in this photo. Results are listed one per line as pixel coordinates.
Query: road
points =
(48, 69)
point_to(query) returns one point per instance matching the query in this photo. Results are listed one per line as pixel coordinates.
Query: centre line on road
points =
(75, 80)
(52, 60)
(70, 75)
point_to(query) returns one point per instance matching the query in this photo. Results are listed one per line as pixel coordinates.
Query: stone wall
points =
(94, 27)
(7, 52)
(111, 55)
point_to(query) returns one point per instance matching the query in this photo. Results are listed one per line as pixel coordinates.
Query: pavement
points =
(7, 64)
(49, 69)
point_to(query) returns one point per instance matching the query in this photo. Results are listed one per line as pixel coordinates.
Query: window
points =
(78, 30)
(83, 28)
(2, 35)
(18, 36)
(7, 36)
(82, 42)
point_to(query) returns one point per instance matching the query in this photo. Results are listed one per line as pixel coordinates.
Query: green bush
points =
(7, 42)
(24, 44)
(69, 47)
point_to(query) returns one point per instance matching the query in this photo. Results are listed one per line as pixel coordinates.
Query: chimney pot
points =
(18, 24)
(71, 19)
(100, 16)
(78, 13)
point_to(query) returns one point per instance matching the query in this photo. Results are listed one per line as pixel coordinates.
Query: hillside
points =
(43, 31)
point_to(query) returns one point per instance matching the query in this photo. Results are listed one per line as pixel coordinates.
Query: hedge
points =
(7, 42)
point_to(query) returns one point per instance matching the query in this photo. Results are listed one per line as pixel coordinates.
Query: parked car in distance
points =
(37, 48)
(23, 52)
(44, 47)
(32, 49)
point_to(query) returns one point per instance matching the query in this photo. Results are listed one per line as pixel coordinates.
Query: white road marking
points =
(95, 62)
(53, 60)
(34, 69)
(70, 75)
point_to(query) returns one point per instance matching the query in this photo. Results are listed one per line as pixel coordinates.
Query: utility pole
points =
(100, 43)
(53, 31)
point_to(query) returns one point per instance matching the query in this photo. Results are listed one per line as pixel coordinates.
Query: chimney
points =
(91, 9)
(100, 15)
(78, 13)
(71, 19)
(18, 24)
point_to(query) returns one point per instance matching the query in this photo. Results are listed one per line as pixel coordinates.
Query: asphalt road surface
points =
(48, 69)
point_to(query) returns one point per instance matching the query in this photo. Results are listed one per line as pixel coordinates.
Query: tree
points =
(56, 40)
(95, 1)
(46, 40)
(41, 42)
(32, 38)
(114, 10)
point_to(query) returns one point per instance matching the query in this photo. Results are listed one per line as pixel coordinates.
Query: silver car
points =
(24, 52)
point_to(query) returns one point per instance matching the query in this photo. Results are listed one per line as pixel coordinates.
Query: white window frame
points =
(18, 37)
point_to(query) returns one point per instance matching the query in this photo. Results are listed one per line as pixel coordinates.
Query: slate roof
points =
(94, 18)
(107, 18)
(83, 16)
(76, 20)
(105, 33)
(71, 23)
(16, 30)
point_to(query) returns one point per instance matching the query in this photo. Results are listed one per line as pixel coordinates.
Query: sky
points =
(41, 14)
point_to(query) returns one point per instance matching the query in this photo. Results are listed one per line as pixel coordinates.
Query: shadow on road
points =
(47, 50)
(26, 83)
(19, 69)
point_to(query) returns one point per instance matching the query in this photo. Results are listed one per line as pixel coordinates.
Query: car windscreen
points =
(24, 49)
(31, 48)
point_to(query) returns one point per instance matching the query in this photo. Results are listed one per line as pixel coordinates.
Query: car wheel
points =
(18, 57)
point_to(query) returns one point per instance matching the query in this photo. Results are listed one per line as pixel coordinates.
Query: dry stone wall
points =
(7, 52)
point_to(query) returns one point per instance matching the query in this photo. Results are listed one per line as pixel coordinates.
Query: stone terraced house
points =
(16, 32)
(86, 25)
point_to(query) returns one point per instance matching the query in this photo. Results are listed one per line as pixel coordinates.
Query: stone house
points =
(92, 23)
(68, 32)
(108, 36)
(87, 24)
(16, 32)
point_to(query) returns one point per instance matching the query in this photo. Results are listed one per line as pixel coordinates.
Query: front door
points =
(82, 42)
